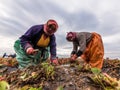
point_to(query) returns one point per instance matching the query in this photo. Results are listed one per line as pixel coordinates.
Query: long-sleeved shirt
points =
(82, 39)
(33, 35)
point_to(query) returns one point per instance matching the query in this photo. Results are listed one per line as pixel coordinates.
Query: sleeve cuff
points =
(73, 52)
(27, 46)
(79, 53)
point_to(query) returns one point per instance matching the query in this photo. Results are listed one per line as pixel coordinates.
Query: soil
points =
(66, 75)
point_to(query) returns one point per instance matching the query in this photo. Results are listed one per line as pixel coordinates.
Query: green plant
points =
(104, 80)
(96, 71)
(49, 69)
(60, 88)
(79, 67)
(4, 85)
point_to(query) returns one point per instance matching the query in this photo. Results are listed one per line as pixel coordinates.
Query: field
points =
(66, 76)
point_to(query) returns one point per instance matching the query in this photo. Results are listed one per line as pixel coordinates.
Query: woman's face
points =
(70, 39)
(70, 36)
(51, 29)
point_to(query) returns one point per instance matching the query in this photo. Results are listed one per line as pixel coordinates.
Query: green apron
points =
(25, 60)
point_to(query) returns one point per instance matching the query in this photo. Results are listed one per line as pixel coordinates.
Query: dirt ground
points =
(69, 76)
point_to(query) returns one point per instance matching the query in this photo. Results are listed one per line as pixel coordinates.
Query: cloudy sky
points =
(101, 16)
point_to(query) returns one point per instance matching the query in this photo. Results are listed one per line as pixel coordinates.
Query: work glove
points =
(55, 61)
(31, 50)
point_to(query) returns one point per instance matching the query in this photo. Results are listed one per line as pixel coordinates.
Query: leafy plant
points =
(60, 88)
(79, 67)
(49, 69)
(4, 85)
(95, 71)
(104, 80)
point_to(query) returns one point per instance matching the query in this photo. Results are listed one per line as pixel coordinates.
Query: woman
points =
(34, 46)
(91, 48)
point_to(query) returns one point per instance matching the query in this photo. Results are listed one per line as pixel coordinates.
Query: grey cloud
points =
(83, 20)
(24, 14)
(10, 27)
(110, 24)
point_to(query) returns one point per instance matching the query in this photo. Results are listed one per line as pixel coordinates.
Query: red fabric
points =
(52, 22)
(71, 36)
(50, 27)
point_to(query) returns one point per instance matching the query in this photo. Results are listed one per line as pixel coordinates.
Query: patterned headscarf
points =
(71, 36)
(51, 27)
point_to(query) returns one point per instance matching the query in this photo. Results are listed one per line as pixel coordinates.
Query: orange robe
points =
(94, 52)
